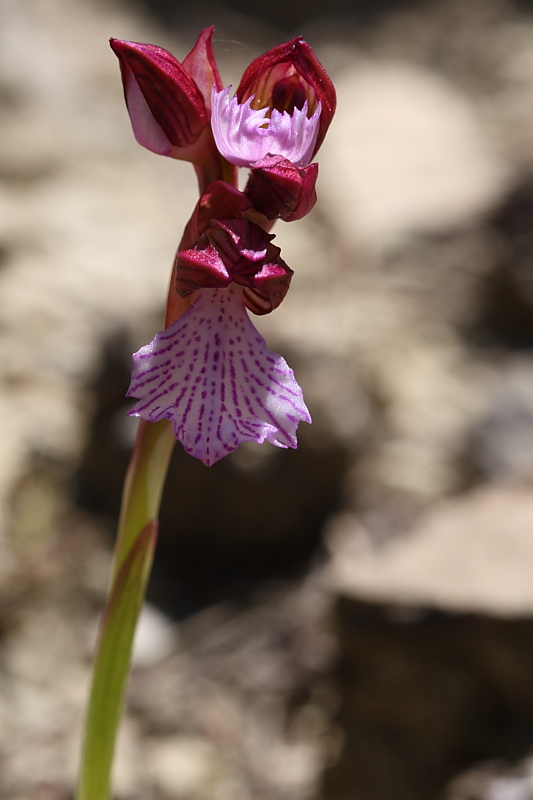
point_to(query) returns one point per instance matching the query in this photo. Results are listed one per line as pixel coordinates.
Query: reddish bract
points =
(279, 190)
(235, 250)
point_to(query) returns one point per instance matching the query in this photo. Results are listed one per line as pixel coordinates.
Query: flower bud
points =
(218, 201)
(287, 76)
(240, 251)
(167, 109)
(279, 190)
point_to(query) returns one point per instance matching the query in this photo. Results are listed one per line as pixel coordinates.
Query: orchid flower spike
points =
(210, 372)
(244, 135)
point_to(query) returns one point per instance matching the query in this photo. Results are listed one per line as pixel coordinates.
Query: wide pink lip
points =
(211, 374)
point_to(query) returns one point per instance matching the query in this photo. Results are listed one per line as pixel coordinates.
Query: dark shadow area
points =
(276, 13)
(426, 694)
(505, 317)
(256, 515)
(523, 5)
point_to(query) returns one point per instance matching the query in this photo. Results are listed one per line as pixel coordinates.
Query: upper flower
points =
(244, 135)
(169, 103)
(283, 105)
(285, 78)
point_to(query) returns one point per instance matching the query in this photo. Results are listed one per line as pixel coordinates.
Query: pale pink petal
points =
(244, 136)
(212, 375)
(295, 133)
(146, 129)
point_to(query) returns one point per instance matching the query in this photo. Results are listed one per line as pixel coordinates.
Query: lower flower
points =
(210, 373)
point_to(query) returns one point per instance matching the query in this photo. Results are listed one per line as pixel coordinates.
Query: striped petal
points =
(210, 373)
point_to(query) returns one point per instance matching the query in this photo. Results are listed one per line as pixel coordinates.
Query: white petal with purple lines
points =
(210, 373)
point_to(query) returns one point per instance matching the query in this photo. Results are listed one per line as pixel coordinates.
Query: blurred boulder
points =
(436, 637)
(496, 780)
(407, 154)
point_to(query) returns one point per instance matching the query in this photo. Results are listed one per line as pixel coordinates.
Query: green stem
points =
(134, 551)
(143, 485)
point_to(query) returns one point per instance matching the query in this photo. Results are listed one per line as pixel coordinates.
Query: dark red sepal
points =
(235, 250)
(202, 66)
(166, 107)
(270, 287)
(201, 267)
(279, 190)
(220, 200)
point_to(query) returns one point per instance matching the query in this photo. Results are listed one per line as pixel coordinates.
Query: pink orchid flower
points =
(210, 372)
(285, 77)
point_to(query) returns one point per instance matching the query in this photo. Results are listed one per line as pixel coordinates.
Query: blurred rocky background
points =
(350, 621)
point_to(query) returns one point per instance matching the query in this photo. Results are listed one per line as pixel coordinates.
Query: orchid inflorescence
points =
(210, 372)
(208, 378)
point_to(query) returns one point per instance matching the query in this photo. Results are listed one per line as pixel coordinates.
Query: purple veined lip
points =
(210, 373)
(244, 135)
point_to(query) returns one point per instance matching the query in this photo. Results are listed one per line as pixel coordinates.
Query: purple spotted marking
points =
(252, 397)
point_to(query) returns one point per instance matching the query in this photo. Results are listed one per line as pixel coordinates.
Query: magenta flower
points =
(210, 372)
(244, 136)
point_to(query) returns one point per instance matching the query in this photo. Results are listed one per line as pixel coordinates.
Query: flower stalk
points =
(134, 550)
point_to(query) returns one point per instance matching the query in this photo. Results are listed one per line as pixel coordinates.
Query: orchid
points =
(210, 372)
(208, 379)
